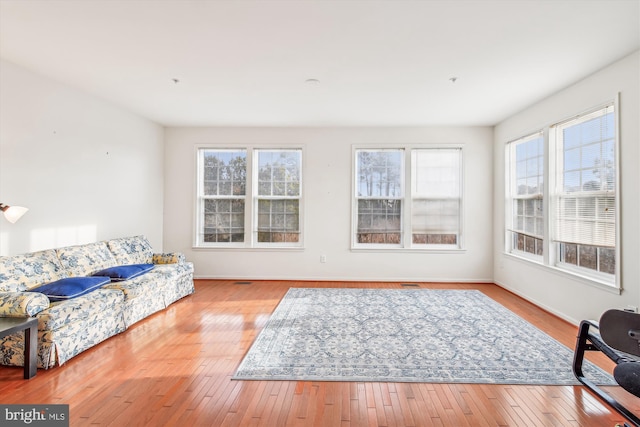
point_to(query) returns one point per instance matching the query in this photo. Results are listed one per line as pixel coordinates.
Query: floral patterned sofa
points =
(74, 320)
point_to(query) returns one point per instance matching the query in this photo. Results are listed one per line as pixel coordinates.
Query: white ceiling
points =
(379, 63)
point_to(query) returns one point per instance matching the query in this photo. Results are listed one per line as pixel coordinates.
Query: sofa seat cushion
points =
(83, 260)
(131, 250)
(172, 271)
(23, 272)
(124, 272)
(63, 313)
(71, 287)
(141, 285)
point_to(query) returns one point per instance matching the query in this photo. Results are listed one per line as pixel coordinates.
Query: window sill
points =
(576, 276)
(409, 250)
(249, 249)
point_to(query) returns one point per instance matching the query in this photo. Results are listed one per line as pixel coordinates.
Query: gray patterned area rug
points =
(401, 335)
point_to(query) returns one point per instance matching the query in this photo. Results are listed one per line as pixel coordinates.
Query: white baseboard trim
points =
(539, 304)
(347, 279)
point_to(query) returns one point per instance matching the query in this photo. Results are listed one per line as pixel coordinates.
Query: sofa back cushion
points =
(83, 260)
(131, 250)
(22, 272)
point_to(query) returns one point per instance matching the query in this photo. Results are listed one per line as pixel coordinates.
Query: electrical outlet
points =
(323, 258)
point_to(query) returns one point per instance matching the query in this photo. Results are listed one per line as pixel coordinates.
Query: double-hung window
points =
(526, 195)
(584, 228)
(572, 225)
(408, 197)
(379, 196)
(221, 195)
(277, 200)
(436, 196)
(249, 197)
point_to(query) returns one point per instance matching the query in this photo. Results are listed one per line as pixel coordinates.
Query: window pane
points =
(528, 167)
(523, 189)
(221, 220)
(435, 239)
(587, 257)
(572, 182)
(224, 172)
(521, 169)
(278, 221)
(607, 260)
(279, 172)
(436, 173)
(379, 221)
(379, 173)
(533, 186)
(435, 216)
(530, 244)
(526, 243)
(569, 253)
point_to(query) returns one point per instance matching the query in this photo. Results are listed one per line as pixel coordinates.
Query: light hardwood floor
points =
(174, 369)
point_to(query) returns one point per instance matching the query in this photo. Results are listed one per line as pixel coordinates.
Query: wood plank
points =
(175, 368)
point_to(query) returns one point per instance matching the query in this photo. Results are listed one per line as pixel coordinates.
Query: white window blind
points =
(585, 200)
(436, 195)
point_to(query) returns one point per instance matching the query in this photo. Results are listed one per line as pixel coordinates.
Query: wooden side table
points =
(11, 325)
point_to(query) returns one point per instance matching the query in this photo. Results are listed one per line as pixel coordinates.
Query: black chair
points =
(617, 335)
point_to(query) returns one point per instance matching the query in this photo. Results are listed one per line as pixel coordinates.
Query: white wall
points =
(327, 204)
(89, 170)
(566, 296)
(86, 169)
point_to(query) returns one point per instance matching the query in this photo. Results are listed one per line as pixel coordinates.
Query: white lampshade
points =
(13, 213)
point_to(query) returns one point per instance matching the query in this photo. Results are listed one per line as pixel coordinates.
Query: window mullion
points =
(408, 191)
(250, 208)
(549, 250)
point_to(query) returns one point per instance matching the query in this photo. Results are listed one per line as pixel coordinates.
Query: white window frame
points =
(396, 197)
(553, 164)
(557, 193)
(250, 199)
(406, 199)
(257, 197)
(512, 196)
(201, 198)
(444, 230)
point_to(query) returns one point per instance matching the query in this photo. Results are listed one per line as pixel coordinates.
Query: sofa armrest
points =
(169, 258)
(20, 304)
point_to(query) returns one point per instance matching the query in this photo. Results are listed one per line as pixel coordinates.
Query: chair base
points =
(592, 342)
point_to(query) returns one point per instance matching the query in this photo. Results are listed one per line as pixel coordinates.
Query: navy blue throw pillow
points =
(71, 287)
(124, 272)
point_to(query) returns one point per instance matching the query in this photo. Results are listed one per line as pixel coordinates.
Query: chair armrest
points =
(169, 258)
(592, 331)
(20, 304)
